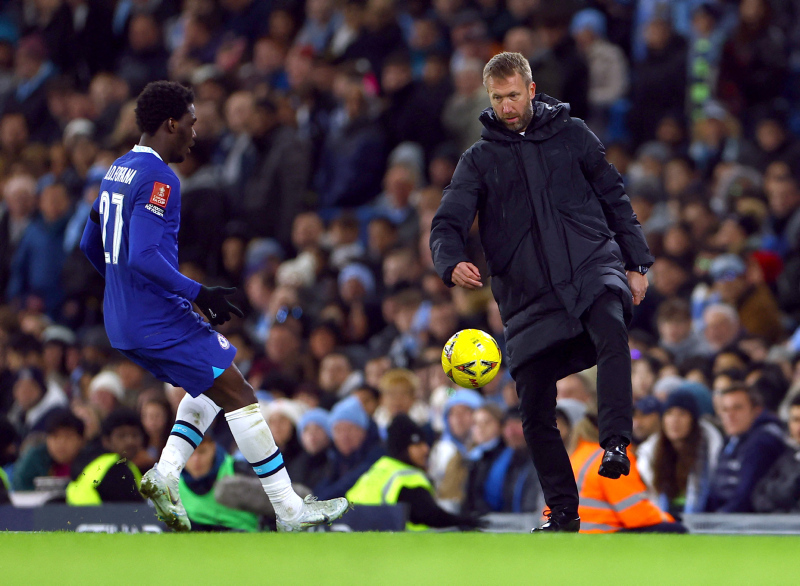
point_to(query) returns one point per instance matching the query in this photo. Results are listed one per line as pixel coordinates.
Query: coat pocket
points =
(583, 241)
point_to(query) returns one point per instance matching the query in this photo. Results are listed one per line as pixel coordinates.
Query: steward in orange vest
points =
(606, 505)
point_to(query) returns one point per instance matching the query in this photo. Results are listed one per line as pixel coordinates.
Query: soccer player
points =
(131, 238)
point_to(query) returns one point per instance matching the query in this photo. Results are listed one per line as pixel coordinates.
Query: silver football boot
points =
(163, 492)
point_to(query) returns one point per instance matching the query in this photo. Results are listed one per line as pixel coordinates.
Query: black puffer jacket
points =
(555, 223)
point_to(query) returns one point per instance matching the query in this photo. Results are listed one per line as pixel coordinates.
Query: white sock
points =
(194, 416)
(254, 439)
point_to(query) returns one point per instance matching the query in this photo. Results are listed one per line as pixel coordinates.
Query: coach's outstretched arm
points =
(454, 218)
(92, 242)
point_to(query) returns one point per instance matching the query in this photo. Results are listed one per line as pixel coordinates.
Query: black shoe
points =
(615, 460)
(560, 521)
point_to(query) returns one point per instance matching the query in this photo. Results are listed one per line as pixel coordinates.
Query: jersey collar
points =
(137, 148)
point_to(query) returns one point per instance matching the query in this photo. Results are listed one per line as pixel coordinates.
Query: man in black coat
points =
(567, 259)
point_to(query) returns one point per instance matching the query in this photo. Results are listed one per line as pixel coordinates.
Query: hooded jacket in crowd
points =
(744, 460)
(556, 226)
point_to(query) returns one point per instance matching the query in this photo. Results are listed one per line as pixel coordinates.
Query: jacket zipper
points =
(542, 255)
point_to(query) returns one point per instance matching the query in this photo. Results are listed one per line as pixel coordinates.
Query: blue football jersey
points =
(147, 301)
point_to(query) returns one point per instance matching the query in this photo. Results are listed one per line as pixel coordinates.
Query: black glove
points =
(212, 302)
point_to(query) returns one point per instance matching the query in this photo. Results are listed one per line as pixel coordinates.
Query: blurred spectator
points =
(33, 69)
(554, 26)
(157, 418)
(40, 254)
(413, 112)
(111, 477)
(400, 391)
(448, 459)
(275, 189)
(675, 330)
(708, 35)
(34, 400)
(64, 442)
(106, 392)
(677, 463)
(575, 386)
(758, 311)
(356, 447)
(337, 378)
(754, 442)
(664, 66)
(314, 431)
(352, 158)
(722, 326)
(488, 447)
(754, 60)
(145, 58)
(646, 419)
(205, 468)
(282, 416)
(512, 484)
(16, 213)
(462, 109)
(779, 490)
(399, 477)
(608, 66)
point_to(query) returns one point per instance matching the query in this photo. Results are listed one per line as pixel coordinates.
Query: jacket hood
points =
(766, 418)
(548, 114)
(468, 397)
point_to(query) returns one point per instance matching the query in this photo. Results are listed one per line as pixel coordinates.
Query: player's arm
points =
(147, 226)
(451, 225)
(92, 241)
(607, 184)
(144, 257)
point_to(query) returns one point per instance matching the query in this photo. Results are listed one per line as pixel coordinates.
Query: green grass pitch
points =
(401, 558)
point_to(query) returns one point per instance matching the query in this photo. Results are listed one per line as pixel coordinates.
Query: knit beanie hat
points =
(349, 409)
(402, 432)
(685, 400)
(318, 416)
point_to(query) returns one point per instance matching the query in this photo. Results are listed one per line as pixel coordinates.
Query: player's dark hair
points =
(160, 101)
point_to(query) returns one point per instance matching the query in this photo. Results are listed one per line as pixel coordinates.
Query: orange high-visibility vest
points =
(608, 505)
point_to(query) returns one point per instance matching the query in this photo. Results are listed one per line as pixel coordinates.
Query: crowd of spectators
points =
(326, 132)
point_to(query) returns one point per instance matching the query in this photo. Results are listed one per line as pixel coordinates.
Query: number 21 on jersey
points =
(106, 202)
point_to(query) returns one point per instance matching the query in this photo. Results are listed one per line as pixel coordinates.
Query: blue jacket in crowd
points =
(744, 460)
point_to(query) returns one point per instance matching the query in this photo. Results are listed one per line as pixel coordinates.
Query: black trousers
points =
(536, 386)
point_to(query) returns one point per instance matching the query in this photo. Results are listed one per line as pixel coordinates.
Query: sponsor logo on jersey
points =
(223, 341)
(160, 194)
(155, 209)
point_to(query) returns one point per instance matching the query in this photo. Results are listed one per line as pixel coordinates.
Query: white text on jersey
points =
(120, 174)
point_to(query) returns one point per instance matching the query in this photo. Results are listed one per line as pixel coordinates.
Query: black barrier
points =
(124, 518)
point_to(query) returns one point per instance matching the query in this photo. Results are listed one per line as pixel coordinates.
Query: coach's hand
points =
(638, 284)
(212, 302)
(466, 275)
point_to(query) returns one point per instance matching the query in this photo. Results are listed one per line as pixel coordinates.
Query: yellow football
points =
(471, 358)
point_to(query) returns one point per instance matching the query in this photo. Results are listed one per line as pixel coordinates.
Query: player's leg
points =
(160, 484)
(195, 415)
(605, 323)
(536, 387)
(254, 438)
